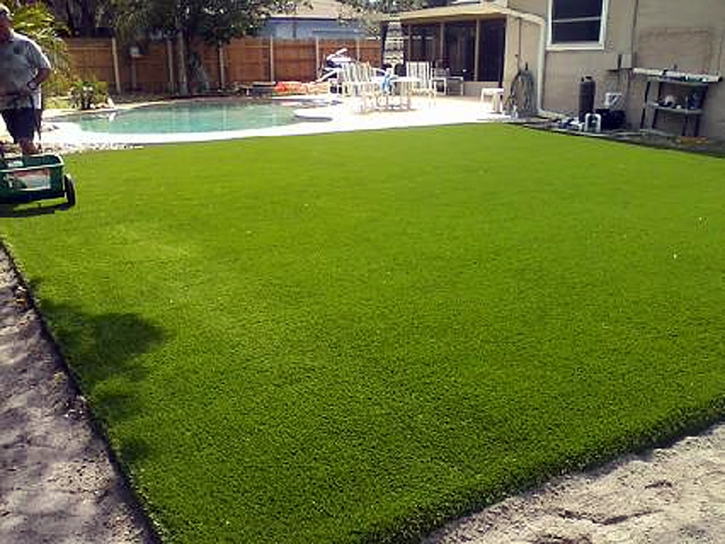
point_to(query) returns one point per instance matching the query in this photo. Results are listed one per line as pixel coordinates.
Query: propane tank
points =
(587, 90)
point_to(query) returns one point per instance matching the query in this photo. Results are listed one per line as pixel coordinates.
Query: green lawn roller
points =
(34, 177)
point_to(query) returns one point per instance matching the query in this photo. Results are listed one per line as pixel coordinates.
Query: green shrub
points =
(88, 93)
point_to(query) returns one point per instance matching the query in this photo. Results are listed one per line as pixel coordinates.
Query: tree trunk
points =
(88, 23)
(69, 20)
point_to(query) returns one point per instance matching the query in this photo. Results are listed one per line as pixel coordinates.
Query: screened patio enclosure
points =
(472, 49)
(482, 43)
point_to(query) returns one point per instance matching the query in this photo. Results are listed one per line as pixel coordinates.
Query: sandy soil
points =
(671, 495)
(57, 484)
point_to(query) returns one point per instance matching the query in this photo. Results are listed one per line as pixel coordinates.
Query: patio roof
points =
(477, 10)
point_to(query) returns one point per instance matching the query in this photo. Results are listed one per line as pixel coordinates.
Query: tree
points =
(215, 22)
(386, 6)
(84, 18)
(373, 12)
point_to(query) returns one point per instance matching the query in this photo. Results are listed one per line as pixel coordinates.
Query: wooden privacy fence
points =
(154, 69)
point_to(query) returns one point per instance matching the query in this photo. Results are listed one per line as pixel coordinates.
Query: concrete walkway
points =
(340, 117)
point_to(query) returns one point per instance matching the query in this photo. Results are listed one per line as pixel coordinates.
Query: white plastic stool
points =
(496, 98)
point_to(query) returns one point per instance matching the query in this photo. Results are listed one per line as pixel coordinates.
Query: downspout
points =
(541, 68)
(632, 41)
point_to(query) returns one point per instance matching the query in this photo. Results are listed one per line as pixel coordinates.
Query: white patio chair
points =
(359, 84)
(426, 85)
(440, 80)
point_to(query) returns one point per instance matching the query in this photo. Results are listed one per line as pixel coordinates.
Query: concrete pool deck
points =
(339, 117)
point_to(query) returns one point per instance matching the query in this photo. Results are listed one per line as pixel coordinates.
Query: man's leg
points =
(22, 124)
(27, 146)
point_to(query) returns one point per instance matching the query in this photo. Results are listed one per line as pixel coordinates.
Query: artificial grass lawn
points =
(352, 337)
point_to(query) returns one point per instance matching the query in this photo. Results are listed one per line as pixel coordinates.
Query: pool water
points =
(191, 116)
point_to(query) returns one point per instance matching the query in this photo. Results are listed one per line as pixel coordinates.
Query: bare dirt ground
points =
(671, 495)
(57, 484)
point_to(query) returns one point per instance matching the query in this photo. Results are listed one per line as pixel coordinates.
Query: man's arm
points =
(40, 77)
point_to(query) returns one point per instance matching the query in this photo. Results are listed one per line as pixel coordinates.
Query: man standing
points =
(23, 68)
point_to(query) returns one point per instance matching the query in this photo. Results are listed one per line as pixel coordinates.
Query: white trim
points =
(656, 72)
(577, 46)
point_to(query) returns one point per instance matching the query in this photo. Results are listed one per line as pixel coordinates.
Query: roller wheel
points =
(70, 190)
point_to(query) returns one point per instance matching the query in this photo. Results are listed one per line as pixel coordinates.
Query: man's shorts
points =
(21, 123)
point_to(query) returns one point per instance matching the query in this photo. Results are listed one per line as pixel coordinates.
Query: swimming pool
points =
(208, 115)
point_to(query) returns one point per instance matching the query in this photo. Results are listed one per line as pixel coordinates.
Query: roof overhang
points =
(479, 10)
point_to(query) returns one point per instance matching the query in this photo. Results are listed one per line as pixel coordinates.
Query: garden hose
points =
(520, 101)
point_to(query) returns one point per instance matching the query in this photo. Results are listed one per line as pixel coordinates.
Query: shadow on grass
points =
(24, 210)
(102, 354)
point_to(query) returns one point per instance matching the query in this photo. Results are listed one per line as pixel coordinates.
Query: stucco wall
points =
(522, 48)
(301, 29)
(537, 7)
(691, 37)
(566, 68)
(659, 34)
(522, 39)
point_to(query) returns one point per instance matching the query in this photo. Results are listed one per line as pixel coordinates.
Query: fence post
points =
(318, 61)
(170, 65)
(271, 58)
(222, 75)
(357, 49)
(116, 72)
(134, 53)
(183, 83)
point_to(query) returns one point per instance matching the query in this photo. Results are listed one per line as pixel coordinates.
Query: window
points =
(577, 22)
(424, 42)
(460, 51)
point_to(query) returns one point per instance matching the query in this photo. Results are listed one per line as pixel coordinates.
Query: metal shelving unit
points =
(689, 112)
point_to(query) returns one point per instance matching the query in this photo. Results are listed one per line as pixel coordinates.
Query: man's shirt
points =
(20, 60)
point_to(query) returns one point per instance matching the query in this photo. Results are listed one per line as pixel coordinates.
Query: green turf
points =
(353, 337)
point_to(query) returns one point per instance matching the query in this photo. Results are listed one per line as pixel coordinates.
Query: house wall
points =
(691, 37)
(537, 7)
(658, 34)
(289, 29)
(522, 48)
(566, 68)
